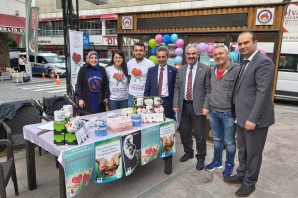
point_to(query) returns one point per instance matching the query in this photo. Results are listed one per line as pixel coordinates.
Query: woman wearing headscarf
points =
(118, 81)
(92, 85)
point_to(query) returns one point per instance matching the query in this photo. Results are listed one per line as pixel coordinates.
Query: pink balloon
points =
(179, 43)
(210, 48)
(158, 38)
(236, 49)
(178, 51)
(263, 51)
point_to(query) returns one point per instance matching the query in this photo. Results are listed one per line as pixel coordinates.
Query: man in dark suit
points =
(252, 99)
(191, 103)
(161, 81)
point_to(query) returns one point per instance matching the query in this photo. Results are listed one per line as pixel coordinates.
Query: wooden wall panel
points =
(250, 10)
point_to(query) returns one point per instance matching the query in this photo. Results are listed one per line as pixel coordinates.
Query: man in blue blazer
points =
(161, 81)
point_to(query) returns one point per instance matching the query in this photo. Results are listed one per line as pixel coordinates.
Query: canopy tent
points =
(12, 24)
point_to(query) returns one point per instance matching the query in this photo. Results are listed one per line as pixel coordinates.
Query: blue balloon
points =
(234, 56)
(171, 61)
(153, 51)
(166, 39)
(174, 38)
(178, 60)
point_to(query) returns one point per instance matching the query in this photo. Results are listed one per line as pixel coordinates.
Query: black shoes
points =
(186, 157)
(200, 165)
(245, 191)
(236, 179)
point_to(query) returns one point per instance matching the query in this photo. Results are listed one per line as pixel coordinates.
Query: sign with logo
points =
(86, 40)
(265, 16)
(109, 40)
(127, 22)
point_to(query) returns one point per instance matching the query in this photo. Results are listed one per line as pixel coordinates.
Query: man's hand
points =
(205, 111)
(176, 110)
(249, 126)
(81, 103)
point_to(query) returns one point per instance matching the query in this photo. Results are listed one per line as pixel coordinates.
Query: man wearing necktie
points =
(191, 103)
(252, 100)
(161, 81)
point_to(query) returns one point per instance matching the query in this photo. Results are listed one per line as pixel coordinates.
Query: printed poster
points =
(167, 139)
(76, 54)
(131, 151)
(78, 166)
(150, 144)
(108, 160)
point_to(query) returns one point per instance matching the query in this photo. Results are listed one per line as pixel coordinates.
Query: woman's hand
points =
(105, 102)
(81, 103)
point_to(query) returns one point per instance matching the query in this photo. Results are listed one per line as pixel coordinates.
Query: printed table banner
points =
(150, 144)
(131, 151)
(167, 139)
(78, 166)
(108, 160)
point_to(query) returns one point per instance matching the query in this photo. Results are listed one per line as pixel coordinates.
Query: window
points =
(288, 62)
(111, 27)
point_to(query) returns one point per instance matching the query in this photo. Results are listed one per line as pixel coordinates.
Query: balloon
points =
(234, 56)
(202, 47)
(263, 51)
(178, 60)
(210, 48)
(178, 51)
(153, 51)
(153, 59)
(166, 39)
(158, 38)
(236, 49)
(174, 38)
(179, 43)
(171, 61)
(152, 43)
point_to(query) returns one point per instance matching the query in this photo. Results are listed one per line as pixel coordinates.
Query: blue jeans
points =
(130, 100)
(117, 104)
(223, 129)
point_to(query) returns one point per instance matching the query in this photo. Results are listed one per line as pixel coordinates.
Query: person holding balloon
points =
(138, 69)
(161, 81)
(191, 104)
(222, 123)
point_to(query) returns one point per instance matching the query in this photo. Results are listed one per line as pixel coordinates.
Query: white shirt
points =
(138, 73)
(194, 71)
(118, 83)
(250, 58)
(165, 89)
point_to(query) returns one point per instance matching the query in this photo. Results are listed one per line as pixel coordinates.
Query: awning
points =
(12, 24)
(108, 17)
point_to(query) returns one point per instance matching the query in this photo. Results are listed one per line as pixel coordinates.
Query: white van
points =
(46, 63)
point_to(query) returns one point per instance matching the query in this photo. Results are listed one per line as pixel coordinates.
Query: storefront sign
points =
(265, 16)
(127, 22)
(109, 40)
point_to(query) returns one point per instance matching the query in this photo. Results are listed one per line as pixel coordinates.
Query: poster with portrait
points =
(78, 166)
(167, 139)
(108, 160)
(150, 144)
(131, 151)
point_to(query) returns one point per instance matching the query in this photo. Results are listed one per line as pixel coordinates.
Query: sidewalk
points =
(278, 176)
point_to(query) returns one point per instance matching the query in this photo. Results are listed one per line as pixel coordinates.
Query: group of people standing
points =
(238, 99)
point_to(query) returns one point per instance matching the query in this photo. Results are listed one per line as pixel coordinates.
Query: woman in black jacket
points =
(92, 85)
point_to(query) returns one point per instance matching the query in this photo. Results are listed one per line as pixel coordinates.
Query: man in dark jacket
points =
(223, 77)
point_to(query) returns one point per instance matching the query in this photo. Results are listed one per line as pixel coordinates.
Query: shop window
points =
(111, 27)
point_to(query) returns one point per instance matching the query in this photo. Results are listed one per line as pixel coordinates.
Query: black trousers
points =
(191, 122)
(250, 146)
(168, 107)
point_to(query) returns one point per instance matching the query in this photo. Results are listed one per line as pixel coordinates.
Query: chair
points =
(8, 169)
(14, 116)
(52, 104)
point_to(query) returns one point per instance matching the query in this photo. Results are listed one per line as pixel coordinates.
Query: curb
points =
(34, 82)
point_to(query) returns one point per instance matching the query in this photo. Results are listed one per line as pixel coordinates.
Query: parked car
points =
(46, 63)
(104, 61)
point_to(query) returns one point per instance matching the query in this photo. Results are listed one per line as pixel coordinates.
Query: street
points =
(36, 89)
